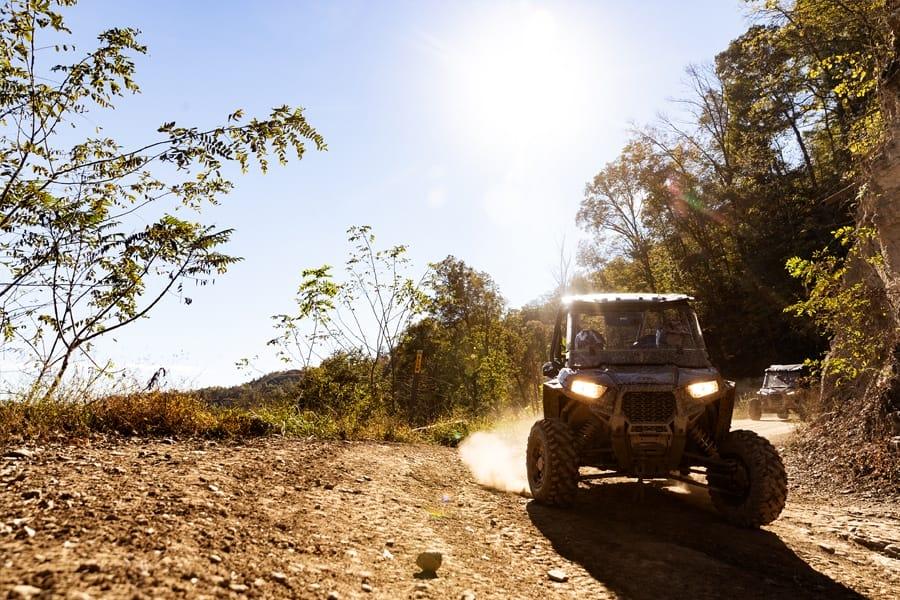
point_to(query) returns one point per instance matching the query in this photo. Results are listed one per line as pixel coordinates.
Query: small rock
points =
(386, 555)
(29, 494)
(19, 453)
(557, 575)
(215, 558)
(27, 532)
(25, 591)
(493, 522)
(89, 567)
(334, 596)
(238, 587)
(467, 595)
(892, 550)
(366, 588)
(870, 543)
(259, 582)
(826, 548)
(79, 596)
(429, 561)
(279, 576)
(329, 486)
(390, 543)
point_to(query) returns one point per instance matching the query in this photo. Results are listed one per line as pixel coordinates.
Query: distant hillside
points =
(278, 385)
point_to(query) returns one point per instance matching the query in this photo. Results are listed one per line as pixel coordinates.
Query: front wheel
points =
(755, 409)
(753, 490)
(552, 463)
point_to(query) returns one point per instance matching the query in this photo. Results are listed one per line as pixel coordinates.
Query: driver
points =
(590, 341)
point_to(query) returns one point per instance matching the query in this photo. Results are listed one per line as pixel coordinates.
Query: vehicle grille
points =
(649, 407)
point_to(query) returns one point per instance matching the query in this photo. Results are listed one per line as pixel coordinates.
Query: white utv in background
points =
(784, 389)
(632, 393)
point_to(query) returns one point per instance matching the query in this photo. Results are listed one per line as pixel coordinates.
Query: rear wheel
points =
(754, 490)
(552, 463)
(755, 409)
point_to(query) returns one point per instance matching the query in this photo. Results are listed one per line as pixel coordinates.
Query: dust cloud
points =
(496, 457)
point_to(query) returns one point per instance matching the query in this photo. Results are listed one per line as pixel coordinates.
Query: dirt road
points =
(771, 428)
(308, 519)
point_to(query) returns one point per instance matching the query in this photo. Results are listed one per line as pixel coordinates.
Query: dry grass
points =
(178, 414)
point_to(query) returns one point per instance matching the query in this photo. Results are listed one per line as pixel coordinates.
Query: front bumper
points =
(648, 427)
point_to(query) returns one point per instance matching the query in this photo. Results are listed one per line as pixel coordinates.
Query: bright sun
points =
(519, 79)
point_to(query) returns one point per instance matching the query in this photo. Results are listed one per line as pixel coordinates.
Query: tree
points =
(89, 242)
(367, 313)
(612, 212)
(478, 358)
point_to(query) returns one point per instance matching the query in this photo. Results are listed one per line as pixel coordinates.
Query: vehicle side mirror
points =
(550, 369)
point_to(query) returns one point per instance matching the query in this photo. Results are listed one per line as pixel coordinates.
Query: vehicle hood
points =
(643, 375)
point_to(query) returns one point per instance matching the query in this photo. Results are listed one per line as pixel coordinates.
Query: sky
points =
(456, 128)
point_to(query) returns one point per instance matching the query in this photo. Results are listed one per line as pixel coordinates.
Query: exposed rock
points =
(870, 543)
(215, 558)
(26, 531)
(467, 595)
(238, 587)
(332, 595)
(366, 587)
(557, 575)
(279, 577)
(892, 550)
(19, 453)
(826, 548)
(25, 591)
(89, 567)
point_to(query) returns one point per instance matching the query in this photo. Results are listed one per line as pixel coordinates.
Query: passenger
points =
(671, 335)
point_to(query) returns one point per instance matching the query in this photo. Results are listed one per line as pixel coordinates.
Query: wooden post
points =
(415, 382)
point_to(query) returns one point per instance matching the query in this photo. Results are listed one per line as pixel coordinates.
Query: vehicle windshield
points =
(600, 334)
(776, 379)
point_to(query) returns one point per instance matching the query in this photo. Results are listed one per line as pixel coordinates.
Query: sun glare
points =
(519, 78)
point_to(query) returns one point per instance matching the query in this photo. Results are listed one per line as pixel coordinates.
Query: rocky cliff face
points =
(859, 430)
(879, 209)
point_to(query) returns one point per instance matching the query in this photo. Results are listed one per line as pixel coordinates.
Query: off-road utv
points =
(632, 393)
(783, 390)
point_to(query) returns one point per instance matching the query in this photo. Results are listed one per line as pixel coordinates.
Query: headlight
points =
(588, 389)
(702, 389)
